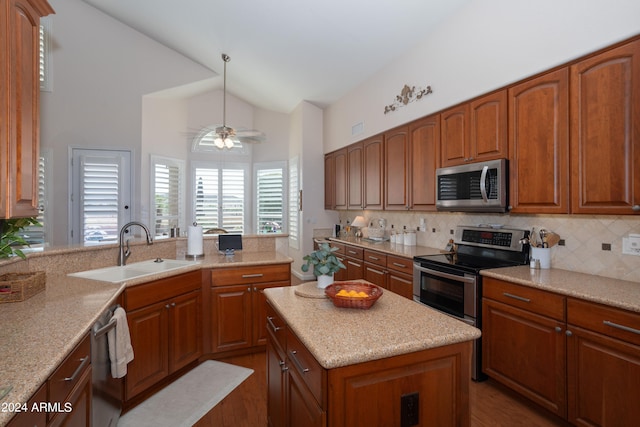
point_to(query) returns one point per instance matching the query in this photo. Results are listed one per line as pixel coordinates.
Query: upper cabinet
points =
(354, 176)
(539, 144)
(20, 105)
(396, 169)
(373, 171)
(424, 154)
(605, 132)
(475, 131)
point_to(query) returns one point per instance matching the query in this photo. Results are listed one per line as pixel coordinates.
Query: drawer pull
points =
(297, 362)
(83, 363)
(375, 258)
(507, 294)
(251, 276)
(273, 326)
(399, 265)
(283, 366)
(624, 328)
(352, 252)
(353, 263)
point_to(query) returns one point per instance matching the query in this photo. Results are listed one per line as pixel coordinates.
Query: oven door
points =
(454, 293)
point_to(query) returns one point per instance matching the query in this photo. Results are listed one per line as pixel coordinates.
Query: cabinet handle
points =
(507, 294)
(636, 208)
(83, 363)
(568, 333)
(297, 362)
(558, 329)
(624, 328)
(375, 258)
(352, 252)
(399, 265)
(353, 263)
(249, 289)
(273, 325)
(173, 304)
(250, 276)
(283, 366)
(167, 306)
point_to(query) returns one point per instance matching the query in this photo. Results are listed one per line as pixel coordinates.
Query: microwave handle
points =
(483, 183)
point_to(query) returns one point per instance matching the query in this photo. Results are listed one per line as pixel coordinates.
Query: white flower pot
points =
(325, 280)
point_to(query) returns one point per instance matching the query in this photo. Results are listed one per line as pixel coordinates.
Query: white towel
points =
(120, 350)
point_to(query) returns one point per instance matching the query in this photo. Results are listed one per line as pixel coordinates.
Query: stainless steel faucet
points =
(124, 254)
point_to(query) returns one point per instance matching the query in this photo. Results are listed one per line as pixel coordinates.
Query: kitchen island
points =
(398, 360)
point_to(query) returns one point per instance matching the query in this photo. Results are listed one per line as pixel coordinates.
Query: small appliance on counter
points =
(229, 243)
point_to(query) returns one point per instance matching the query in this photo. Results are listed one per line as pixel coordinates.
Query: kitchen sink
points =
(132, 271)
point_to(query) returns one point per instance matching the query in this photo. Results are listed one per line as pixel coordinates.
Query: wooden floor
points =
(491, 404)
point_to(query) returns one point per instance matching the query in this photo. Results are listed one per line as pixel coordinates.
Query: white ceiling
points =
(285, 51)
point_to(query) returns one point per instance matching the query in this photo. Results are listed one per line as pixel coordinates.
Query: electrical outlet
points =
(562, 242)
(631, 245)
(410, 410)
(606, 246)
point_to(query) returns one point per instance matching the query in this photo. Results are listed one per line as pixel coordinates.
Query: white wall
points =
(486, 45)
(101, 70)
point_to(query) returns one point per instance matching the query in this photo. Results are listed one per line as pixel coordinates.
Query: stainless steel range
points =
(451, 283)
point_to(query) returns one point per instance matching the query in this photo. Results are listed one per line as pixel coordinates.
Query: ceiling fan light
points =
(218, 142)
(228, 142)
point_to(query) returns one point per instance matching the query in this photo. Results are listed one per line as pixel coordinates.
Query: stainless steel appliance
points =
(451, 283)
(474, 187)
(106, 403)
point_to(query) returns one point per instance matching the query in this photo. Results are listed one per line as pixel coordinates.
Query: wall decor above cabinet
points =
(407, 95)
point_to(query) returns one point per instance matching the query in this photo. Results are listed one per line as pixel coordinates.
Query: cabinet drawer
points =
(374, 257)
(307, 366)
(401, 264)
(535, 300)
(340, 247)
(159, 290)
(353, 252)
(29, 417)
(613, 322)
(70, 371)
(250, 275)
(277, 328)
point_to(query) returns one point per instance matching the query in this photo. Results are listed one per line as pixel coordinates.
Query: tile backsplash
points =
(583, 236)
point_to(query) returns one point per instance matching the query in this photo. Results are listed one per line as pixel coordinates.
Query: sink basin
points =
(132, 271)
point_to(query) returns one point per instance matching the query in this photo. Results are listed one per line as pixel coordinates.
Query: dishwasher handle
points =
(106, 328)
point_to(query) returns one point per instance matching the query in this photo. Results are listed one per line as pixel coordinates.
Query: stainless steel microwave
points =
(474, 187)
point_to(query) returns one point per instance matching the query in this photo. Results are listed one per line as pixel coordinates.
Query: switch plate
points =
(631, 245)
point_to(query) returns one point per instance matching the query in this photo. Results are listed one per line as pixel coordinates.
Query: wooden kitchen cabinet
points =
(523, 342)
(605, 132)
(165, 324)
(396, 169)
(238, 304)
(475, 131)
(32, 418)
(400, 275)
(424, 159)
(340, 179)
(276, 368)
(603, 364)
(354, 176)
(373, 172)
(329, 181)
(539, 144)
(20, 105)
(375, 268)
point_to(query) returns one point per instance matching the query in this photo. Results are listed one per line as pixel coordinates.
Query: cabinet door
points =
(355, 268)
(148, 328)
(329, 181)
(231, 317)
(539, 144)
(259, 304)
(276, 387)
(454, 136)
(401, 284)
(488, 140)
(185, 335)
(526, 352)
(605, 132)
(341, 178)
(302, 408)
(373, 172)
(396, 169)
(80, 401)
(424, 160)
(32, 418)
(375, 274)
(354, 176)
(603, 378)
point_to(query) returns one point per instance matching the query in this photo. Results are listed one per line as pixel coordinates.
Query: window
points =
(294, 204)
(100, 195)
(167, 195)
(45, 54)
(34, 235)
(220, 197)
(270, 198)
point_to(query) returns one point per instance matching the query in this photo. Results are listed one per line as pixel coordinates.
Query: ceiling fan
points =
(225, 136)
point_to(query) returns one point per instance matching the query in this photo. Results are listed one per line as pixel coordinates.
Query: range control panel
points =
(490, 236)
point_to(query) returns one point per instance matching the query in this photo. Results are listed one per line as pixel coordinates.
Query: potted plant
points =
(10, 238)
(325, 264)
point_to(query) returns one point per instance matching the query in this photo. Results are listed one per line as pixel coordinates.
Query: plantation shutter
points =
(220, 198)
(270, 200)
(206, 198)
(294, 201)
(233, 200)
(167, 195)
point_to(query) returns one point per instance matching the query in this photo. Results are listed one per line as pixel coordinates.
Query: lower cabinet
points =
(237, 304)
(165, 324)
(579, 360)
(389, 271)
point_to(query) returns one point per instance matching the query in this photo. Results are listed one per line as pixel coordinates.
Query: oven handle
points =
(465, 278)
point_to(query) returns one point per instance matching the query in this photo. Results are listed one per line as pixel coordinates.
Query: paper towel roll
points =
(194, 241)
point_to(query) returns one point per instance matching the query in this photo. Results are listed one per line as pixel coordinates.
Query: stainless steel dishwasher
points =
(107, 391)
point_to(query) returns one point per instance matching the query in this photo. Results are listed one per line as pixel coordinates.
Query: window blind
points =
(167, 196)
(220, 198)
(294, 201)
(270, 200)
(99, 199)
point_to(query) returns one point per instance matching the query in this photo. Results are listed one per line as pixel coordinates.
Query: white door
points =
(100, 195)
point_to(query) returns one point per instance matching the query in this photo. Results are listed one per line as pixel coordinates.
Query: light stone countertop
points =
(37, 334)
(387, 247)
(340, 337)
(614, 292)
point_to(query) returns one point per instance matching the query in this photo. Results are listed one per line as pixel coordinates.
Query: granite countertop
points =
(387, 247)
(340, 337)
(613, 292)
(37, 334)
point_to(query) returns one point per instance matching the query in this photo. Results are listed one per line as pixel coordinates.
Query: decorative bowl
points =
(373, 293)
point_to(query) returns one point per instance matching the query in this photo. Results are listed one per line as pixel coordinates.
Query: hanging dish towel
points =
(120, 350)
